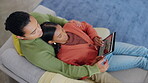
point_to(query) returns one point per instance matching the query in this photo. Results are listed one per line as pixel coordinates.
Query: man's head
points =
(23, 25)
(53, 33)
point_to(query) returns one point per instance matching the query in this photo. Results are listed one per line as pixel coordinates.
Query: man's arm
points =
(42, 55)
(48, 18)
(52, 64)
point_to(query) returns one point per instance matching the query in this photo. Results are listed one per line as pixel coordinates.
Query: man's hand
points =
(78, 23)
(103, 67)
(98, 41)
(98, 58)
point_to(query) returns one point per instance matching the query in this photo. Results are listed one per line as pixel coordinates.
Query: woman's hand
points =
(98, 41)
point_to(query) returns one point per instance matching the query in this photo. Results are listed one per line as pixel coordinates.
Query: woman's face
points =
(60, 35)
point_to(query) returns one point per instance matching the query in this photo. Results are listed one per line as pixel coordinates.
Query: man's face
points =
(60, 35)
(32, 30)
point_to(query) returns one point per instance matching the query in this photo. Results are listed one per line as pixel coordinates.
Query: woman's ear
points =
(20, 37)
(51, 42)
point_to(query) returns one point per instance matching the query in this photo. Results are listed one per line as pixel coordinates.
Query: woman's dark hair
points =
(16, 22)
(49, 29)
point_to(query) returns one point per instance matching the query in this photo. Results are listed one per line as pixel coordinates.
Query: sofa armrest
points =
(102, 32)
(43, 10)
(20, 67)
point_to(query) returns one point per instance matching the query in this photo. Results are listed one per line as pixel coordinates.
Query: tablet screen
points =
(108, 45)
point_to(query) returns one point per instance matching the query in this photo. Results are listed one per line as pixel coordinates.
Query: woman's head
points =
(53, 33)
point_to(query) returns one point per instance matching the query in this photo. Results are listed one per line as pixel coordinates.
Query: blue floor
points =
(129, 18)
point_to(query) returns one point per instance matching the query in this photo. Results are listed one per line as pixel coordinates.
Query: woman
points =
(87, 56)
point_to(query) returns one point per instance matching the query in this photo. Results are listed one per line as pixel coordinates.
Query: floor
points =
(7, 7)
(126, 17)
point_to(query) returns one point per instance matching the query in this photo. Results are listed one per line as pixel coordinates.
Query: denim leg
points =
(122, 62)
(130, 50)
(127, 56)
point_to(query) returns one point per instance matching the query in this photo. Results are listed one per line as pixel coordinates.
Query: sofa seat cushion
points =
(135, 75)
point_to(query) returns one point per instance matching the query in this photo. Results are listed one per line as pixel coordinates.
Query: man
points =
(39, 53)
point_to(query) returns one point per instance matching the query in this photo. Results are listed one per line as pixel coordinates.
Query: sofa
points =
(22, 71)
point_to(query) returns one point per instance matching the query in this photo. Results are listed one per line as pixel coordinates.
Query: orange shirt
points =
(79, 52)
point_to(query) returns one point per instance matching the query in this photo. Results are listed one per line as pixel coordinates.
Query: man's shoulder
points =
(41, 17)
(34, 43)
(35, 46)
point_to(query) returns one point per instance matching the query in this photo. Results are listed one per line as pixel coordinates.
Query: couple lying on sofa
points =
(41, 54)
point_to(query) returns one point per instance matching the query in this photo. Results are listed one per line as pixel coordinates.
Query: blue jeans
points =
(127, 56)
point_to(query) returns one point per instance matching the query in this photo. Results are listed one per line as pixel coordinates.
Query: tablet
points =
(109, 44)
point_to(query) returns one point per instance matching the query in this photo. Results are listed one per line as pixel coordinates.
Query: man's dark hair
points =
(16, 22)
